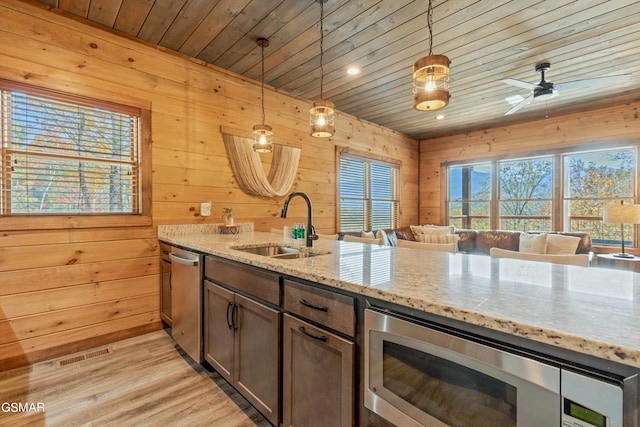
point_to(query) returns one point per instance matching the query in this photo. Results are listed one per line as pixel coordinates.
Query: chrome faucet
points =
(311, 230)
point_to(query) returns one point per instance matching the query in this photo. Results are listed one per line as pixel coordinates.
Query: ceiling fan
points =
(545, 90)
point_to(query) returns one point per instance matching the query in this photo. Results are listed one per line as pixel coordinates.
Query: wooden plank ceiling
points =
(486, 41)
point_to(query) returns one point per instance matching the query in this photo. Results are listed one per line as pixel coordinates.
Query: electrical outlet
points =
(205, 208)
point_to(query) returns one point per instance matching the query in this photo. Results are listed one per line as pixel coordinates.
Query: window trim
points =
(349, 152)
(95, 220)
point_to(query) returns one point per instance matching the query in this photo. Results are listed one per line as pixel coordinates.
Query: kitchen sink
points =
(295, 255)
(269, 250)
(277, 251)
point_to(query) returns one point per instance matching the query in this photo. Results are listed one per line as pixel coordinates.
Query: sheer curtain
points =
(248, 170)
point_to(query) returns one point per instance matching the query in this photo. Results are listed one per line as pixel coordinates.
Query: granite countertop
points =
(594, 311)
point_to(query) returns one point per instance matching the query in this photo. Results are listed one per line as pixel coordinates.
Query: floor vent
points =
(86, 356)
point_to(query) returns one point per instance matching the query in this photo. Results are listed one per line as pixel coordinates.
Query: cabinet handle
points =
(315, 307)
(322, 338)
(234, 316)
(229, 304)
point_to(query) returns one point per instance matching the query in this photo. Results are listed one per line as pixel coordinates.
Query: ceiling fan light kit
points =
(431, 76)
(322, 112)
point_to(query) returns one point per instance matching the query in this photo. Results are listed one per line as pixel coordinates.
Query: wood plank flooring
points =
(144, 381)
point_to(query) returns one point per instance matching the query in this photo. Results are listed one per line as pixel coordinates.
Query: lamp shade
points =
(621, 214)
(263, 137)
(431, 83)
(322, 119)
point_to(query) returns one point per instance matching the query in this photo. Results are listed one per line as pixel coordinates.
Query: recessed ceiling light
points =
(440, 117)
(353, 71)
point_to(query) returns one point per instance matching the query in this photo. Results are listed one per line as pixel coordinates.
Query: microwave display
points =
(454, 394)
(584, 414)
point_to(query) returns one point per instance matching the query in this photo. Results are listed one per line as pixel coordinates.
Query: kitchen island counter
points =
(590, 310)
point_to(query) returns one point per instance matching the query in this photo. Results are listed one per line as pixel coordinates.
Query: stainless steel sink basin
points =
(277, 251)
(296, 255)
(271, 250)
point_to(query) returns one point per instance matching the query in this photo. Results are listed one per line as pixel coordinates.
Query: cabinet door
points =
(317, 376)
(256, 371)
(218, 329)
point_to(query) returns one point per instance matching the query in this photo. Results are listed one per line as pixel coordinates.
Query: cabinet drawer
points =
(327, 308)
(260, 284)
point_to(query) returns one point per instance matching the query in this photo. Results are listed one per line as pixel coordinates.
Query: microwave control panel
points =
(576, 415)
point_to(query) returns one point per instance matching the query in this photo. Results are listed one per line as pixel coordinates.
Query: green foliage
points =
(68, 158)
(526, 193)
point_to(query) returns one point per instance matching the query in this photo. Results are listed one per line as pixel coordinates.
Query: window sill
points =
(53, 222)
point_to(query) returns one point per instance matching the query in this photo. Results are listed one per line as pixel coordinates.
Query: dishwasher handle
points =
(184, 260)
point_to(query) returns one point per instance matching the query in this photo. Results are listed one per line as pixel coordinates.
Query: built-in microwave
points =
(418, 373)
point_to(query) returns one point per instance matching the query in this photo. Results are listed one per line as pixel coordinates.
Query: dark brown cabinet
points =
(242, 339)
(318, 365)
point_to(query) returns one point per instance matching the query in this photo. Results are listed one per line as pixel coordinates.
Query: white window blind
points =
(368, 192)
(67, 155)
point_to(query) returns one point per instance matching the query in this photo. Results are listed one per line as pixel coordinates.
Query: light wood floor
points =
(145, 381)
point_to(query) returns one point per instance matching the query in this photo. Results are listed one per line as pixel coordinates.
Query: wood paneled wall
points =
(68, 289)
(591, 129)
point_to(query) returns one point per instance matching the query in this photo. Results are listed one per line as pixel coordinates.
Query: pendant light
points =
(431, 76)
(321, 115)
(262, 133)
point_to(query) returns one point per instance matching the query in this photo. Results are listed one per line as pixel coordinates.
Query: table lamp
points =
(622, 214)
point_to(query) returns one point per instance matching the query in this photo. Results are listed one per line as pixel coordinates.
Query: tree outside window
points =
(593, 179)
(470, 196)
(526, 194)
(65, 157)
(561, 192)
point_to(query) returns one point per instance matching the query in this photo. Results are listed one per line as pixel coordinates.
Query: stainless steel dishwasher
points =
(186, 301)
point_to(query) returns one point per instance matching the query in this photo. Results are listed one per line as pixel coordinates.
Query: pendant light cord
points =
(322, 49)
(430, 26)
(262, 46)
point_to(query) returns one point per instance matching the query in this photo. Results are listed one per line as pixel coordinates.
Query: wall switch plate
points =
(205, 208)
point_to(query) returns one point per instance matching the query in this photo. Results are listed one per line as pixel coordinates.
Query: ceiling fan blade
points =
(519, 83)
(519, 105)
(597, 81)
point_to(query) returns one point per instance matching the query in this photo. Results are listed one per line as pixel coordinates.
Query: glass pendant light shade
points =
(431, 83)
(321, 119)
(263, 137)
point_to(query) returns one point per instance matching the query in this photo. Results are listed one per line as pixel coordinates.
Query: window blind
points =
(368, 192)
(66, 157)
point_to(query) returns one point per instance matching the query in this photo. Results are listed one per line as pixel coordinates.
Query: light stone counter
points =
(591, 310)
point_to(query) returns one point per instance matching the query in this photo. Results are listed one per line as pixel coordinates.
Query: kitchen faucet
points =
(311, 230)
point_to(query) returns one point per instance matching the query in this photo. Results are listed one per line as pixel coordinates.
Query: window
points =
(526, 194)
(470, 196)
(68, 155)
(562, 192)
(593, 179)
(368, 193)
